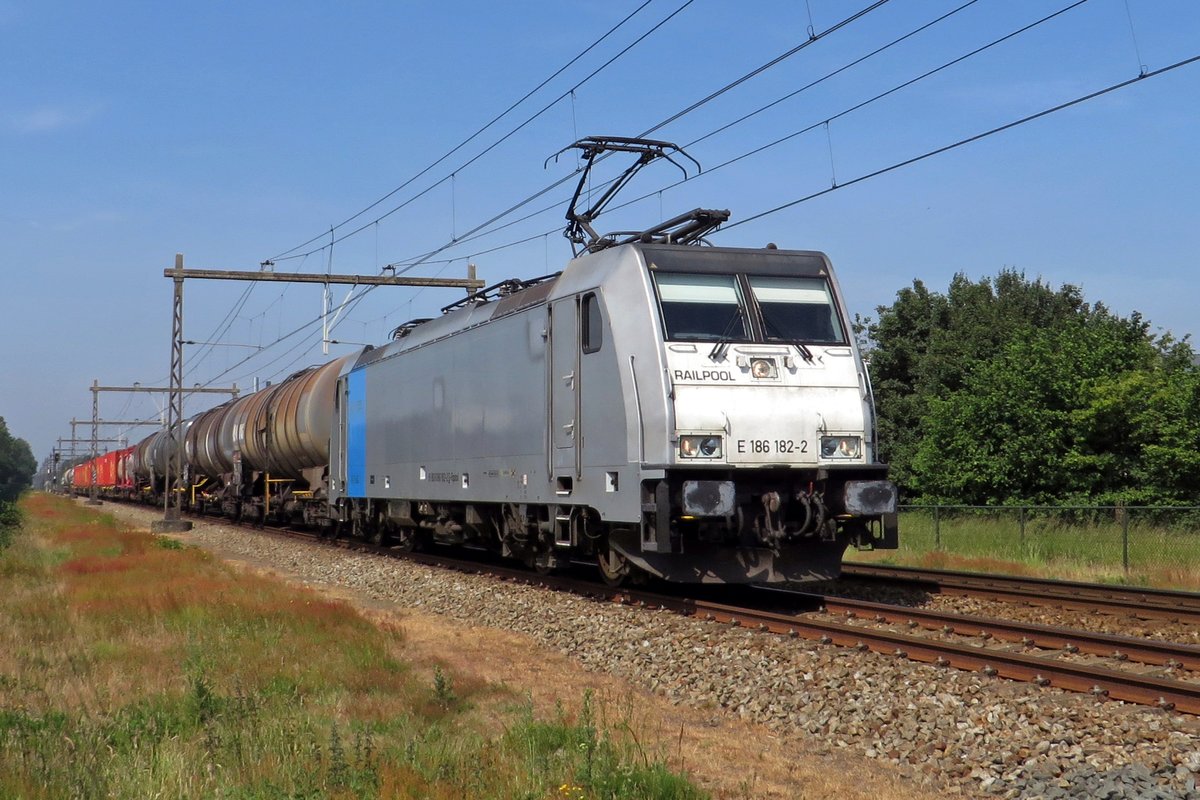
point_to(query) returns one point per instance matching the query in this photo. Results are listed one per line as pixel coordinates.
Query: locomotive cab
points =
(753, 412)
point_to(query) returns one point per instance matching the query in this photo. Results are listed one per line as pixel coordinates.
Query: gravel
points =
(960, 732)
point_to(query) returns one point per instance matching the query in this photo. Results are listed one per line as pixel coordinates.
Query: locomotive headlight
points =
(763, 367)
(700, 446)
(841, 446)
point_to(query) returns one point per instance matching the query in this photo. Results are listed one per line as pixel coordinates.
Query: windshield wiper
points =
(722, 345)
(805, 353)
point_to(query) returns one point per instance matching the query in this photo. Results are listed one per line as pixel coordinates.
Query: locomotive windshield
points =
(703, 307)
(771, 308)
(796, 309)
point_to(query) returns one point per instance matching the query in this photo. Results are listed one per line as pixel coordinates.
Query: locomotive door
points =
(341, 399)
(563, 386)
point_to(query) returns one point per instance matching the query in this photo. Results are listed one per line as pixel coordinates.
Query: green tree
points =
(17, 464)
(925, 344)
(1136, 438)
(1013, 431)
(1006, 390)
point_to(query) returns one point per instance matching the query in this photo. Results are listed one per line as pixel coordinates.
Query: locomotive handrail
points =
(502, 289)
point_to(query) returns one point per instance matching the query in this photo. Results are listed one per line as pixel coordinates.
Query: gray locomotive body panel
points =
(488, 405)
(459, 419)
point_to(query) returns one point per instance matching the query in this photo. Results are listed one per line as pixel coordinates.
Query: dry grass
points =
(133, 667)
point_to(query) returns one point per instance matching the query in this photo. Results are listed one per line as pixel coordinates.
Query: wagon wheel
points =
(615, 569)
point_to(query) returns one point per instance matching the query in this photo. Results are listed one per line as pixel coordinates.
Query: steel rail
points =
(1140, 603)
(1128, 686)
(1046, 637)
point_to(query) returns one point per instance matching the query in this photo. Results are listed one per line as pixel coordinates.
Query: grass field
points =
(1091, 547)
(132, 667)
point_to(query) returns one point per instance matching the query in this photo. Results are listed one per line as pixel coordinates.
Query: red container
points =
(83, 475)
(106, 470)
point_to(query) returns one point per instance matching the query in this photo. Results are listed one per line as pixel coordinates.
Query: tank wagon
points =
(261, 456)
(698, 414)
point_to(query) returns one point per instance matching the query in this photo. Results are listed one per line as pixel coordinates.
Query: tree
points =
(17, 464)
(925, 344)
(1137, 438)
(1006, 391)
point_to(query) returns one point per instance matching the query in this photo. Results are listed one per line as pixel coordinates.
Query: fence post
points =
(1125, 540)
(1022, 524)
(937, 527)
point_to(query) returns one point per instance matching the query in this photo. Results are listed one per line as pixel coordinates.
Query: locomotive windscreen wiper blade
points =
(722, 345)
(805, 353)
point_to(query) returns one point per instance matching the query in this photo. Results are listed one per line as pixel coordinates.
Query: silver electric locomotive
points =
(696, 414)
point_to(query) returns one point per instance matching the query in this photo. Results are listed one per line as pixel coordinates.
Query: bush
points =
(10, 519)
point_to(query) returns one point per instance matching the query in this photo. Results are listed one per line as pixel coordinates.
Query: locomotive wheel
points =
(615, 569)
(531, 561)
(405, 539)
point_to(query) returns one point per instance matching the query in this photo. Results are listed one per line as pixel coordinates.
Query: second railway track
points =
(1150, 604)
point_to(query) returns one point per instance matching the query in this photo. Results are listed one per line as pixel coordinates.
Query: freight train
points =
(697, 414)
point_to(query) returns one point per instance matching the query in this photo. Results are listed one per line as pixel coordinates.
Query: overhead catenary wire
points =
(970, 139)
(480, 130)
(1144, 75)
(402, 268)
(885, 170)
(715, 168)
(812, 39)
(689, 109)
(219, 331)
(860, 105)
(569, 93)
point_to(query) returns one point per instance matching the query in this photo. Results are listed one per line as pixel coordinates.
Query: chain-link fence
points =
(1152, 545)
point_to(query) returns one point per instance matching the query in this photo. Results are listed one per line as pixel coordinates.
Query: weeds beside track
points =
(133, 667)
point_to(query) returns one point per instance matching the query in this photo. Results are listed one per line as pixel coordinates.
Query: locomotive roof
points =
(765, 261)
(666, 257)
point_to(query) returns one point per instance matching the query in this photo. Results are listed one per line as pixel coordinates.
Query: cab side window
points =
(593, 328)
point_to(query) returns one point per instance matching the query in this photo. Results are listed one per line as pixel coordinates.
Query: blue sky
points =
(232, 132)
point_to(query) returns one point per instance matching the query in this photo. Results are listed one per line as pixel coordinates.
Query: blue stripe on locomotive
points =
(356, 433)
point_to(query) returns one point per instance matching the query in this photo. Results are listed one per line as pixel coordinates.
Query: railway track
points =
(1027, 634)
(1166, 693)
(1128, 685)
(1147, 604)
